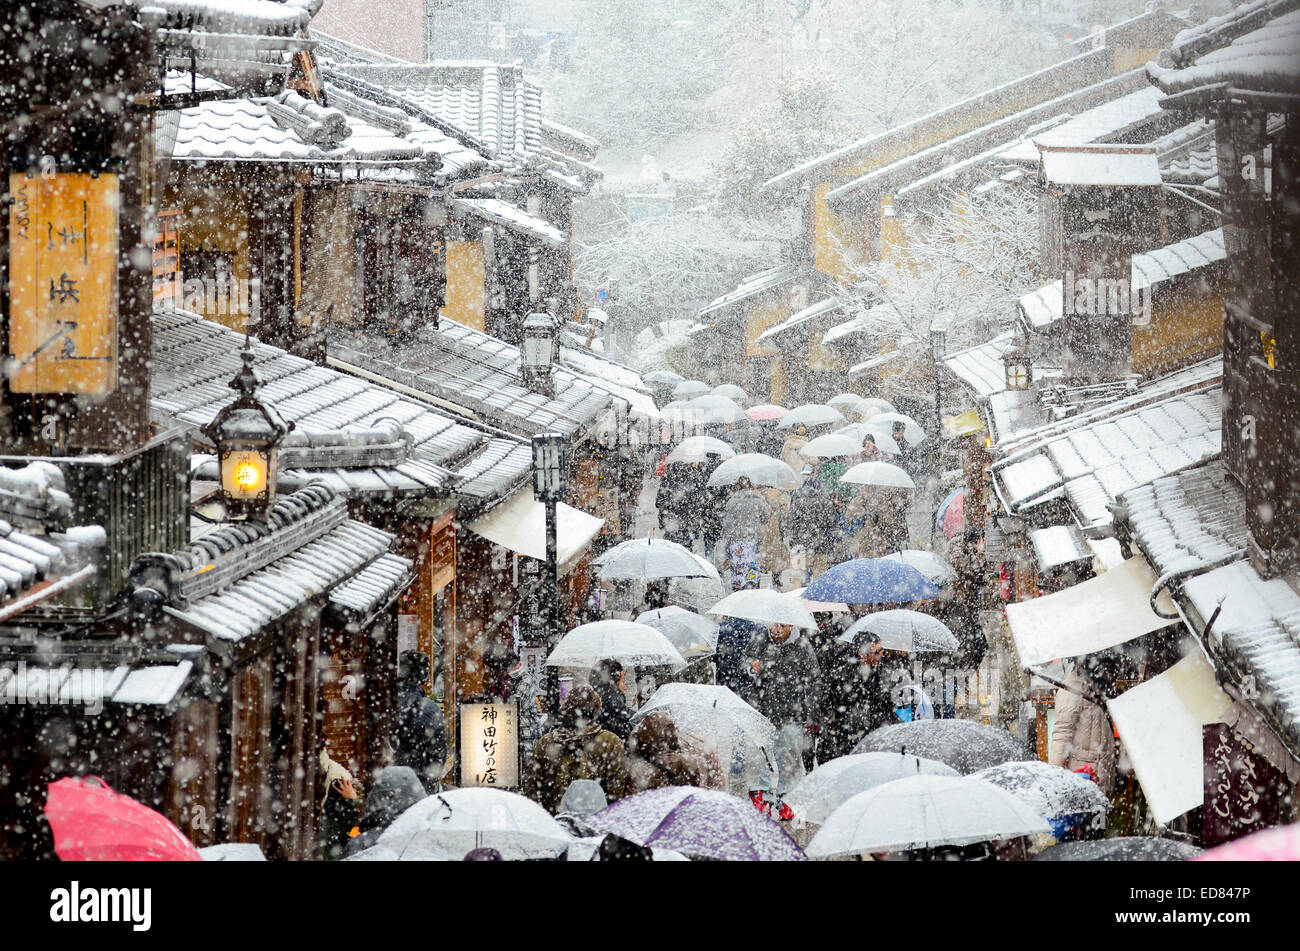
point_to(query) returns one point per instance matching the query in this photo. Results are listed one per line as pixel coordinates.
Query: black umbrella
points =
(1123, 849)
(964, 745)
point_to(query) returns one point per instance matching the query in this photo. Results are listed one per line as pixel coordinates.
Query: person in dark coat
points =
(577, 749)
(614, 714)
(656, 758)
(421, 736)
(394, 790)
(787, 690)
(671, 501)
(858, 697)
(734, 635)
(340, 809)
(813, 525)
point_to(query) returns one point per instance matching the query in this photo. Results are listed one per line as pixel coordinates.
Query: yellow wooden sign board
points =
(63, 283)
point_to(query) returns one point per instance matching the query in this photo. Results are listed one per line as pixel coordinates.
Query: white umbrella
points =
(699, 448)
(712, 409)
(820, 607)
(844, 401)
(758, 469)
(731, 391)
(446, 826)
(921, 812)
(811, 414)
(647, 559)
(740, 736)
(667, 377)
(766, 607)
(880, 435)
(935, 569)
(832, 784)
(913, 434)
(875, 402)
(634, 645)
(692, 634)
(903, 630)
(878, 473)
(698, 594)
(1052, 791)
(688, 388)
(830, 446)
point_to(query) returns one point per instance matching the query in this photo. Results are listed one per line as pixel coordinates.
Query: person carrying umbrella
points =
(787, 690)
(858, 698)
(745, 523)
(656, 758)
(672, 498)
(610, 685)
(577, 749)
(790, 448)
(813, 525)
(421, 733)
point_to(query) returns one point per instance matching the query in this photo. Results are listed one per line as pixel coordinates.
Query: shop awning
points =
(1100, 613)
(519, 524)
(1160, 724)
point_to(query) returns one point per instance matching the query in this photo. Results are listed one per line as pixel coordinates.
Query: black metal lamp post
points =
(537, 351)
(246, 434)
(550, 483)
(938, 347)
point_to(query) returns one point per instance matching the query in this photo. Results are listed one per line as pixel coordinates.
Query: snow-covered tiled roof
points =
(981, 370)
(1125, 165)
(373, 586)
(129, 682)
(1058, 545)
(751, 286)
(503, 213)
(1188, 519)
(1263, 55)
(1110, 121)
(813, 312)
(253, 17)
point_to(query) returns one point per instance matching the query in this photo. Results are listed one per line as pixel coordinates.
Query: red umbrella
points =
(765, 412)
(953, 516)
(91, 823)
(1281, 844)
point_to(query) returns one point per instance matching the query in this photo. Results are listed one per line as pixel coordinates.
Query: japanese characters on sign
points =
(1243, 791)
(489, 745)
(63, 283)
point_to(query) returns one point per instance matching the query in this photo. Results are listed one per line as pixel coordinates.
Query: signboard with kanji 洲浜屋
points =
(63, 283)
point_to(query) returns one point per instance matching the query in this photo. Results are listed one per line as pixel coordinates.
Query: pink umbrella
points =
(1272, 845)
(91, 823)
(766, 411)
(954, 516)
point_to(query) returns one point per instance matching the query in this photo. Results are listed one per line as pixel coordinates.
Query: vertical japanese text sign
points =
(63, 283)
(489, 745)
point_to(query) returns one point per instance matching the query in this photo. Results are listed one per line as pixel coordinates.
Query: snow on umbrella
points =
(647, 559)
(951, 513)
(832, 784)
(875, 402)
(92, 823)
(446, 826)
(903, 630)
(699, 448)
(964, 745)
(692, 634)
(871, 581)
(820, 607)
(766, 607)
(635, 645)
(923, 812)
(731, 391)
(883, 474)
(830, 446)
(699, 594)
(664, 377)
(913, 434)
(844, 402)
(1060, 796)
(757, 468)
(1280, 844)
(689, 388)
(811, 414)
(1138, 848)
(740, 736)
(712, 409)
(880, 435)
(935, 569)
(766, 411)
(701, 823)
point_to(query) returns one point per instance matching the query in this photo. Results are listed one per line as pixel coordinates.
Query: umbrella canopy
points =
(830, 446)
(964, 745)
(832, 784)
(1060, 796)
(935, 569)
(1281, 844)
(766, 607)
(922, 812)
(448, 825)
(702, 823)
(699, 448)
(766, 411)
(712, 409)
(731, 391)
(844, 401)
(913, 434)
(692, 634)
(758, 469)
(1138, 848)
(698, 594)
(882, 474)
(951, 514)
(646, 559)
(689, 388)
(811, 414)
(716, 719)
(92, 823)
(635, 645)
(871, 581)
(903, 630)
(820, 607)
(664, 377)
(880, 435)
(870, 408)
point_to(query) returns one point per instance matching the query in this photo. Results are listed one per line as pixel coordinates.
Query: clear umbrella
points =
(699, 448)
(688, 388)
(1062, 797)
(844, 401)
(731, 391)
(832, 784)
(883, 474)
(935, 569)
(922, 812)
(635, 645)
(648, 559)
(964, 745)
(714, 410)
(880, 435)
(766, 607)
(758, 468)
(903, 630)
(811, 414)
(913, 434)
(820, 607)
(698, 594)
(692, 634)
(830, 446)
(446, 826)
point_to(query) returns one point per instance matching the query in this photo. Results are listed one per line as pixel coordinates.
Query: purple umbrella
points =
(701, 823)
